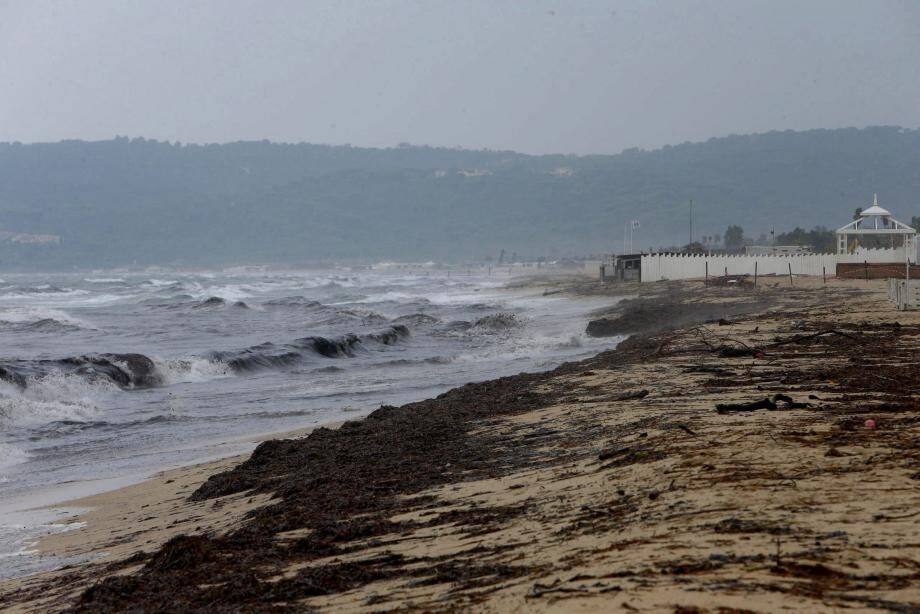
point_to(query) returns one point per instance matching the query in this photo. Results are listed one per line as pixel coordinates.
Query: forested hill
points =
(129, 201)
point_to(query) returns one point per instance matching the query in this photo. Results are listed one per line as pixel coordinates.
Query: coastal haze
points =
(225, 223)
(314, 133)
(539, 77)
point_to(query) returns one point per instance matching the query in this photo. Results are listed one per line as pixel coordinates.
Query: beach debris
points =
(727, 351)
(801, 338)
(612, 453)
(626, 396)
(870, 423)
(752, 406)
(714, 370)
(789, 402)
(620, 457)
(779, 401)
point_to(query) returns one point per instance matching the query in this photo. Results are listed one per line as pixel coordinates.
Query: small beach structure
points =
(624, 267)
(877, 222)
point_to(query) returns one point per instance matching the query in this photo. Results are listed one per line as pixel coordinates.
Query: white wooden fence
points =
(657, 267)
(904, 293)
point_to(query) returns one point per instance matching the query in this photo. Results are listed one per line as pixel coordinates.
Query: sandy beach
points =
(719, 460)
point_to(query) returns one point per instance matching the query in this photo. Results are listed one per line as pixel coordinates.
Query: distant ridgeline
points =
(129, 201)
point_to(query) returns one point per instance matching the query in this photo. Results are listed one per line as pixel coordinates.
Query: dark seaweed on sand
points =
(343, 485)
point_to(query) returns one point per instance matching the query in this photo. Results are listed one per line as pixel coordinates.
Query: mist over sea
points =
(112, 376)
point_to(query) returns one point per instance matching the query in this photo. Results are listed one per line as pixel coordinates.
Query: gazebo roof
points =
(868, 222)
(875, 209)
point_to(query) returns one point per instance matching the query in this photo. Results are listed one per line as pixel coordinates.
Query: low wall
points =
(876, 270)
(658, 267)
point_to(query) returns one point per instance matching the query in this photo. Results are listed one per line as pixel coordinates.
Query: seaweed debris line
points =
(721, 466)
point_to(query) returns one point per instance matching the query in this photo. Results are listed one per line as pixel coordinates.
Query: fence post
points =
(789, 264)
(707, 273)
(755, 273)
(824, 274)
(866, 266)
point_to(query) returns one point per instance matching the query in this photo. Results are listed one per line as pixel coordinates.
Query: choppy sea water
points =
(106, 377)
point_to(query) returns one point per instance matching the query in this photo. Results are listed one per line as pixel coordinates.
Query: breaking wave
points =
(417, 320)
(123, 370)
(502, 320)
(328, 314)
(131, 371)
(38, 319)
(178, 370)
(217, 301)
(52, 397)
(104, 280)
(272, 355)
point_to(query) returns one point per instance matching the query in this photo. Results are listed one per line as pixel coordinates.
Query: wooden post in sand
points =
(707, 273)
(790, 273)
(755, 273)
(866, 266)
(824, 274)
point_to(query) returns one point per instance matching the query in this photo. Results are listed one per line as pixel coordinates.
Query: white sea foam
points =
(175, 371)
(396, 297)
(10, 455)
(231, 292)
(42, 293)
(104, 280)
(26, 315)
(18, 553)
(51, 398)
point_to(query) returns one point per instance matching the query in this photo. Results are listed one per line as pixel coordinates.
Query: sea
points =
(107, 378)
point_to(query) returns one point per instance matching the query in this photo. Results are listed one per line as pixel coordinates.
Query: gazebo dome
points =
(875, 209)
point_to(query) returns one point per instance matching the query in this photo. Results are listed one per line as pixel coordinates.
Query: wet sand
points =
(640, 479)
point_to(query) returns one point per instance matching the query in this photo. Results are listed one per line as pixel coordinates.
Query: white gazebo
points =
(876, 221)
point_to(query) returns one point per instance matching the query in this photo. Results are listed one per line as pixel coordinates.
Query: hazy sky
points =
(535, 76)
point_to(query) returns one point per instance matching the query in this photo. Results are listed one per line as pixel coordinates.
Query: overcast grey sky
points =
(535, 76)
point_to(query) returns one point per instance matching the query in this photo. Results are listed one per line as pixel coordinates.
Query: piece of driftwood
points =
(779, 401)
(625, 396)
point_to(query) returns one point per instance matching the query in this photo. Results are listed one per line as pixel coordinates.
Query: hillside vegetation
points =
(128, 201)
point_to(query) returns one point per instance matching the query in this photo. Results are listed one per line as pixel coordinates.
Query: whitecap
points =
(179, 370)
(28, 315)
(53, 397)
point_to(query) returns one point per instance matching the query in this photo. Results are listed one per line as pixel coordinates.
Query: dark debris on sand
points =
(344, 485)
